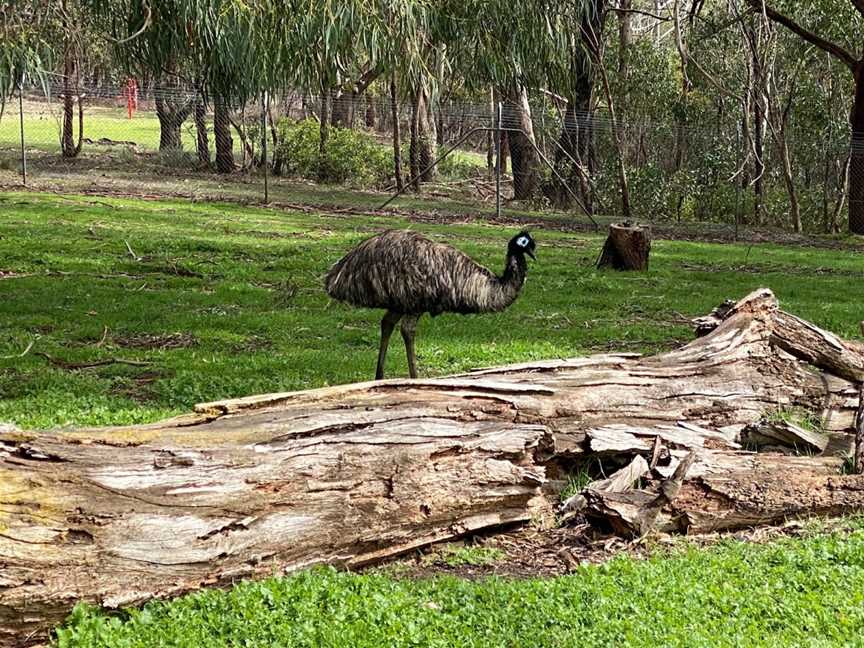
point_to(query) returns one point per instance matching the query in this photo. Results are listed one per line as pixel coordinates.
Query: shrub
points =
(352, 157)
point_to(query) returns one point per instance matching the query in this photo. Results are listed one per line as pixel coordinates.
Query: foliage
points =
(805, 591)
(351, 157)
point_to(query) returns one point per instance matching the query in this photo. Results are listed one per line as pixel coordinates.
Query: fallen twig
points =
(104, 337)
(73, 366)
(131, 251)
(20, 355)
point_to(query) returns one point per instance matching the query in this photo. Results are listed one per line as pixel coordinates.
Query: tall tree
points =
(852, 11)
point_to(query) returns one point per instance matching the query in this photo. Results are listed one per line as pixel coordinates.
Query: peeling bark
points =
(353, 474)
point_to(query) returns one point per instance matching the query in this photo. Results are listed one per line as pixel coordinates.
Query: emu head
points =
(522, 244)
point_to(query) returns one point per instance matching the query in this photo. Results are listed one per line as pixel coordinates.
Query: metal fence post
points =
(264, 144)
(21, 124)
(498, 161)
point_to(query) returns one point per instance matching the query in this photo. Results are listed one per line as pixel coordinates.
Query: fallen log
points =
(353, 474)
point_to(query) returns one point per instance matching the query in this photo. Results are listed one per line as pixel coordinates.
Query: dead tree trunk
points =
(350, 475)
(627, 247)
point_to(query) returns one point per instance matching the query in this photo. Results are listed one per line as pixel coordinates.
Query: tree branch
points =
(814, 39)
(641, 13)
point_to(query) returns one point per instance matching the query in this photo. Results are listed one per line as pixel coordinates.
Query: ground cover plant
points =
(223, 301)
(806, 591)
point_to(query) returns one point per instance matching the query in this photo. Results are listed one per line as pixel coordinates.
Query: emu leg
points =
(409, 329)
(387, 323)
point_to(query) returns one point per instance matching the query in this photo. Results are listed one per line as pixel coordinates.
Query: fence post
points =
(264, 144)
(498, 161)
(21, 124)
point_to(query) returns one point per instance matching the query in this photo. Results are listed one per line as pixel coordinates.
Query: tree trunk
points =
(516, 113)
(369, 118)
(169, 128)
(789, 179)
(70, 93)
(202, 139)
(573, 157)
(856, 164)
(345, 102)
(625, 39)
(422, 150)
(344, 105)
(172, 109)
(758, 160)
(222, 136)
(353, 474)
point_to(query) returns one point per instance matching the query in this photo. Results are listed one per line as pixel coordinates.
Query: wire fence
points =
(176, 141)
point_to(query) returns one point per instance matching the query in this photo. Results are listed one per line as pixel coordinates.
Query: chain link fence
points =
(175, 141)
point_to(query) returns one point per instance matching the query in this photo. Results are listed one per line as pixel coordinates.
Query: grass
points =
(42, 127)
(454, 555)
(796, 416)
(223, 300)
(226, 301)
(797, 592)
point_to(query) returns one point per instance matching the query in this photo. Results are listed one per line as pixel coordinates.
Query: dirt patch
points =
(138, 388)
(766, 268)
(150, 341)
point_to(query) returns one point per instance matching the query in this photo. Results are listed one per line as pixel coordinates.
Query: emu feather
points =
(408, 275)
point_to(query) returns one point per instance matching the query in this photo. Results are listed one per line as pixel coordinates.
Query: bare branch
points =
(641, 13)
(814, 39)
(148, 19)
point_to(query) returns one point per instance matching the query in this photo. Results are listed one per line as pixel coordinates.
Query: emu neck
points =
(511, 280)
(515, 269)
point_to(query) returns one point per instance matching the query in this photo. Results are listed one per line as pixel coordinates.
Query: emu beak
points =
(531, 254)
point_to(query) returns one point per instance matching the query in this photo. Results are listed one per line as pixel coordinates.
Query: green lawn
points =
(227, 301)
(223, 300)
(802, 592)
(42, 126)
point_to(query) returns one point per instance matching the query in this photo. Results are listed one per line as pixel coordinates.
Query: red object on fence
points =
(130, 94)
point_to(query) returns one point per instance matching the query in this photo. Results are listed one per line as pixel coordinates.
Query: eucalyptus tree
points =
(518, 49)
(836, 27)
(34, 32)
(25, 54)
(202, 45)
(152, 40)
(584, 22)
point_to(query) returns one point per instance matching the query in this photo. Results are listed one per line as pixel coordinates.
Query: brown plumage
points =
(408, 275)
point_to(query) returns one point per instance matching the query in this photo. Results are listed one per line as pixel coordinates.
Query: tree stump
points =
(627, 247)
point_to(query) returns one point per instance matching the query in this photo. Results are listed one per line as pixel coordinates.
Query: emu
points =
(408, 275)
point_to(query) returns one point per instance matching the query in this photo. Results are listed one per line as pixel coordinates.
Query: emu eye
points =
(522, 241)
